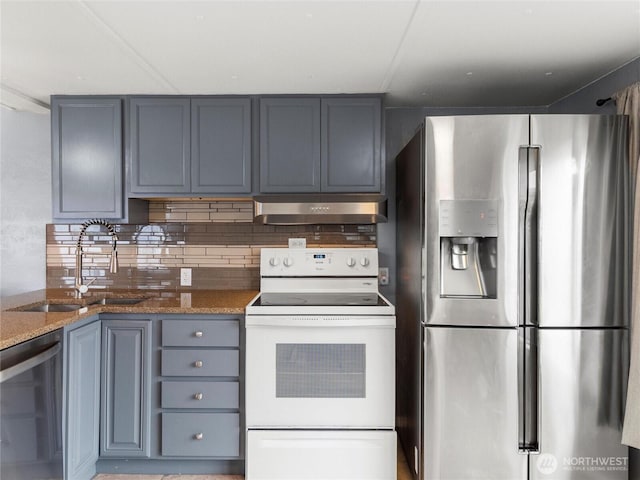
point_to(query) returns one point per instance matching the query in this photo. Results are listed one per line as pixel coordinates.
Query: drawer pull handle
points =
(198, 436)
(198, 396)
(198, 334)
(198, 364)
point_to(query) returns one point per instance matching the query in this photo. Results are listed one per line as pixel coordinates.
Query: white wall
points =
(25, 200)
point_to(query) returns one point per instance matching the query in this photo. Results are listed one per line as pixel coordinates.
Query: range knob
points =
(351, 262)
(287, 262)
(364, 261)
(273, 261)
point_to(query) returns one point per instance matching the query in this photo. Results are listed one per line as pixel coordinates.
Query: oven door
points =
(320, 372)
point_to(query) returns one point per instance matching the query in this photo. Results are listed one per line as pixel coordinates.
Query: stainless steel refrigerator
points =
(513, 298)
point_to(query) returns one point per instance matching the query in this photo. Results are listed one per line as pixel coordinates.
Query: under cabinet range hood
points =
(327, 208)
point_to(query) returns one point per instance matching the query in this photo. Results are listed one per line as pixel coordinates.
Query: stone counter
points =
(19, 326)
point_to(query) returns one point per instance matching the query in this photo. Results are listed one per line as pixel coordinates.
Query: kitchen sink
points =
(118, 301)
(52, 307)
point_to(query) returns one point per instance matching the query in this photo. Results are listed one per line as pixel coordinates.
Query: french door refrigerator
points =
(513, 302)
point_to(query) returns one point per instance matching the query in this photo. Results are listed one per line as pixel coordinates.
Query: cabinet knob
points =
(198, 396)
(198, 364)
(198, 334)
(198, 436)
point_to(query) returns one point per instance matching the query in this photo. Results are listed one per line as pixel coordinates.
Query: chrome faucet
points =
(80, 286)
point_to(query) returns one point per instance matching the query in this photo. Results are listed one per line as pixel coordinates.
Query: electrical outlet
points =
(185, 300)
(383, 276)
(297, 243)
(185, 277)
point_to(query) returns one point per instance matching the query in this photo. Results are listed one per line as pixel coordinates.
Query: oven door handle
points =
(319, 321)
(29, 363)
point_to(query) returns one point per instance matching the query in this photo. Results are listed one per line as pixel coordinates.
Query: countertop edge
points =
(18, 326)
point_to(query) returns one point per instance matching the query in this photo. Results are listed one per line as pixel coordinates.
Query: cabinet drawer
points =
(201, 434)
(200, 333)
(200, 395)
(200, 363)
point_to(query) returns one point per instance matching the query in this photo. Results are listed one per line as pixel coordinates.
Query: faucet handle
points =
(84, 288)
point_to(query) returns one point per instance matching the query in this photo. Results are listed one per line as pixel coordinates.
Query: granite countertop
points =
(18, 326)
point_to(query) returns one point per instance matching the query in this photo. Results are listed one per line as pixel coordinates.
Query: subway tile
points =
(228, 251)
(209, 260)
(188, 206)
(222, 255)
(189, 251)
(197, 216)
(176, 216)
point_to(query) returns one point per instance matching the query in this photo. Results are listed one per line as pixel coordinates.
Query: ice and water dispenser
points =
(468, 248)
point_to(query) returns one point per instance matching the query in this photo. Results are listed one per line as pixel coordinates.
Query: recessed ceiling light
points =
(548, 74)
(469, 74)
(424, 94)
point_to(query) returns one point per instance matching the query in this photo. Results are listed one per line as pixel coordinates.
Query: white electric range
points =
(320, 368)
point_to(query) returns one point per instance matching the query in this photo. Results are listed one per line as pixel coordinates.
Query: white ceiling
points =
(419, 52)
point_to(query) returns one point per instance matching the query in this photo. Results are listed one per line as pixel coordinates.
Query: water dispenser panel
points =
(468, 248)
(468, 218)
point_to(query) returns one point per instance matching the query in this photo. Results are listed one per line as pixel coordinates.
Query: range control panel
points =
(313, 262)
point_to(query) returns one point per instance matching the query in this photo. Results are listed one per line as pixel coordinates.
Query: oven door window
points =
(310, 370)
(319, 373)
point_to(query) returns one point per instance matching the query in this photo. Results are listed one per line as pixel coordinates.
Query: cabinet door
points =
(126, 373)
(221, 145)
(351, 131)
(82, 390)
(160, 145)
(290, 145)
(86, 136)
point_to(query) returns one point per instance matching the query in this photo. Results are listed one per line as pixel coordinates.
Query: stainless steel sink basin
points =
(118, 301)
(53, 307)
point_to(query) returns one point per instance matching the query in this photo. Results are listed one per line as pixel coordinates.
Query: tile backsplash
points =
(217, 240)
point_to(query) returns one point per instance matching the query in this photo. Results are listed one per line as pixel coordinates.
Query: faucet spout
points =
(80, 286)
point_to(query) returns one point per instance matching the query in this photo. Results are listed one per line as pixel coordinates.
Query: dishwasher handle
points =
(28, 364)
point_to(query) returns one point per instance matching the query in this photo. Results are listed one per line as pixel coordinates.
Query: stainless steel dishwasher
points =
(31, 409)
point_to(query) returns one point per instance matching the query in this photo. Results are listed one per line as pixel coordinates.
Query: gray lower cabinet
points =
(82, 398)
(87, 152)
(329, 144)
(200, 434)
(160, 145)
(126, 396)
(200, 388)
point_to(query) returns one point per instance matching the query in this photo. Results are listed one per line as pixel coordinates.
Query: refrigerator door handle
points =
(528, 381)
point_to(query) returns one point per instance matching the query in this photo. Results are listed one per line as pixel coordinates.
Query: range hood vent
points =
(309, 209)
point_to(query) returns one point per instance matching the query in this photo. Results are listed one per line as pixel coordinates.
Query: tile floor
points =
(403, 474)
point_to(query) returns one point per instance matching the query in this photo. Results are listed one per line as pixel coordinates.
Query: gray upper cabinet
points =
(221, 145)
(289, 145)
(160, 145)
(189, 145)
(331, 144)
(351, 132)
(126, 397)
(87, 149)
